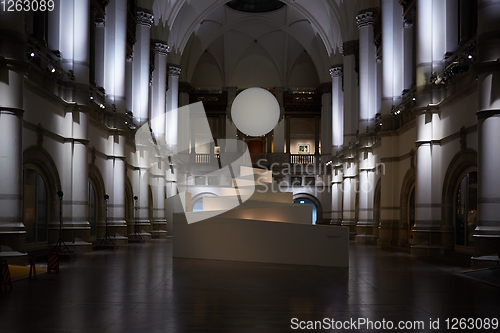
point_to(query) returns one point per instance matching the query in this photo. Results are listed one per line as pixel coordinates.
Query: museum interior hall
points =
(249, 165)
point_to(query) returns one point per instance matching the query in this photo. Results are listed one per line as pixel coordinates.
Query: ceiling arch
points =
(183, 18)
(267, 25)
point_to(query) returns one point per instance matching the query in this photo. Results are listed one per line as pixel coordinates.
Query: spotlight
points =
(470, 56)
(32, 54)
(51, 68)
(91, 97)
(414, 99)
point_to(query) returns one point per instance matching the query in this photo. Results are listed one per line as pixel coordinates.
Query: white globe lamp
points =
(255, 112)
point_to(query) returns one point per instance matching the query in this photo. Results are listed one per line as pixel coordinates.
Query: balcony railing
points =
(264, 159)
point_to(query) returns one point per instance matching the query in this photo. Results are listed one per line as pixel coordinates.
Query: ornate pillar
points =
(172, 120)
(158, 112)
(12, 68)
(115, 53)
(337, 193)
(100, 24)
(367, 71)
(487, 234)
(326, 119)
(408, 61)
(351, 91)
(367, 112)
(349, 191)
(431, 48)
(74, 47)
(141, 68)
(337, 123)
(115, 86)
(393, 69)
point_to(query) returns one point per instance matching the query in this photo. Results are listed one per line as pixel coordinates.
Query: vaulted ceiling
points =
(262, 45)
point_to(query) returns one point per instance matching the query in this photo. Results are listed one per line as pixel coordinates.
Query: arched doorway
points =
(307, 199)
(460, 202)
(197, 200)
(308, 202)
(465, 217)
(407, 209)
(35, 206)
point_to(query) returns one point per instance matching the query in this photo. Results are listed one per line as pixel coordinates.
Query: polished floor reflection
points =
(140, 288)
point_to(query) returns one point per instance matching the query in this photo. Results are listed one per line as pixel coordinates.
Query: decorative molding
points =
(162, 48)
(350, 48)
(144, 18)
(337, 71)
(100, 22)
(408, 23)
(364, 19)
(174, 71)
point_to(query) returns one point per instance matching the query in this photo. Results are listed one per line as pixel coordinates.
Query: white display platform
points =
(222, 238)
(249, 222)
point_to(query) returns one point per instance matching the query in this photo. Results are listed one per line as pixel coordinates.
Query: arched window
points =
(35, 206)
(92, 210)
(466, 210)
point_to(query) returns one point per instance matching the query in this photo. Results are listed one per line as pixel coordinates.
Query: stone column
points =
(393, 71)
(74, 46)
(115, 53)
(409, 61)
(349, 192)
(140, 83)
(115, 86)
(172, 120)
(337, 194)
(100, 24)
(367, 71)
(158, 112)
(367, 112)
(326, 120)
(351, 91)
(12, 69)
(337, 108)
(487, 234)
(431, 48)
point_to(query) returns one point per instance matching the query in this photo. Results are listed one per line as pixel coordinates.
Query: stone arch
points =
(317, 203)
(409, 182)
(95, 177)
(202, 195)
(42, 160)
(465, 161)
(129, 203)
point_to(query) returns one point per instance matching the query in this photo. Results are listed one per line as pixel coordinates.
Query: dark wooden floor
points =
(140, 288)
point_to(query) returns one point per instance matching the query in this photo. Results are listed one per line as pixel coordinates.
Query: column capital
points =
(350, 48)
(365, 18)
(144, 18)
(100, 22)
(174, 70)
(336, 71)
(162, 48)
(408, 23)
